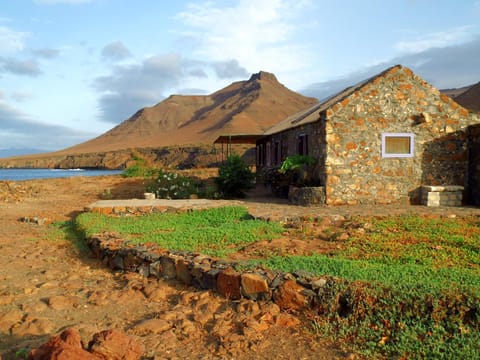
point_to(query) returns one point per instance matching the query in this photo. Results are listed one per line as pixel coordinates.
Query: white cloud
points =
(436, 40)
(259, 35)
(434, 65)
(11, 41)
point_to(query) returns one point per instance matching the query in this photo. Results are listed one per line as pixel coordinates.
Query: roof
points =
(312, 114)
(238, 139)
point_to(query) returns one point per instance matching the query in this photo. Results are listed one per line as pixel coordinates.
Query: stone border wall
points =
(291, 292)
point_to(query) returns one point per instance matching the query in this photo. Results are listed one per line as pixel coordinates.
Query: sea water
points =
(28, 174)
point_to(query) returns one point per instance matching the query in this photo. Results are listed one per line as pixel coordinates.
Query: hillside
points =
(468, 96)
(193, 122)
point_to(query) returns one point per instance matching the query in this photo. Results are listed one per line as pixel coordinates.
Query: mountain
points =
(192, 122)
(468, 96)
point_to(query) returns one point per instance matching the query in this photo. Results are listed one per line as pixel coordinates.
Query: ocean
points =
(28, 174)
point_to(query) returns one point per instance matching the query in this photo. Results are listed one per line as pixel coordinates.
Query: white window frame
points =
(389, 155)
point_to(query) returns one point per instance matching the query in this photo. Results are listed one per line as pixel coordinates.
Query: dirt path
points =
(46, 285)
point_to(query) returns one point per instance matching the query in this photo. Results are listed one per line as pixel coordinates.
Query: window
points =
(302, 144)
(397, 145)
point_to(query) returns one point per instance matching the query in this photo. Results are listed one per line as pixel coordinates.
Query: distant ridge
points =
(249, 106)
(468, 96)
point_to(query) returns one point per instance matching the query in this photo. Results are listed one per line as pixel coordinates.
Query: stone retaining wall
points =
(292, 292)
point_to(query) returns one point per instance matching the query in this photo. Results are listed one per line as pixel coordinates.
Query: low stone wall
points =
(442, 195)
(292, 292)
(306, 196)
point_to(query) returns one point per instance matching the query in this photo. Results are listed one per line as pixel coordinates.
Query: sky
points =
(71, 70)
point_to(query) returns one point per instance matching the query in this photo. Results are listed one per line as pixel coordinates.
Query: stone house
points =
(377, 142)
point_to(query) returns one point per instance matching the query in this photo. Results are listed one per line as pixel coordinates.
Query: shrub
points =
(234, 177)
(297, 162)
(170, 185)
(140, 168)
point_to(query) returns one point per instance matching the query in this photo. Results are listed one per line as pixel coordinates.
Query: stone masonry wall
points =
(396, 102)
(299, 291)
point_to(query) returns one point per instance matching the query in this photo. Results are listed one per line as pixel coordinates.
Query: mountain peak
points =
(263, 75)
(242, 107)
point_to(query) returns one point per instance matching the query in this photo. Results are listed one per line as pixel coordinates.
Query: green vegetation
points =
(234, 177)
(140, 168)
(66, 230)
(215, 232)
(410, 287)
(297, 162)
(404, 287)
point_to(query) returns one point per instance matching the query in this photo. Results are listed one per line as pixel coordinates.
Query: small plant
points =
(297, 162)
(296, 167)
(22, 353)
(234, 177)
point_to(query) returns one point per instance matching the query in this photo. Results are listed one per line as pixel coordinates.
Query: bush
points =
(170, 185)
(234, 177)
(139, 169)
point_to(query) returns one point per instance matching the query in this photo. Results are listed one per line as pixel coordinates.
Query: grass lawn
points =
(215, 232)
(409, 287)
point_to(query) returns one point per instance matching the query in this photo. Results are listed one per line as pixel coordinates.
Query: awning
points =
(238, 139)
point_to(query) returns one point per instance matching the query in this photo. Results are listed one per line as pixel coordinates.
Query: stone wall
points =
(394, 102)
(299, 291)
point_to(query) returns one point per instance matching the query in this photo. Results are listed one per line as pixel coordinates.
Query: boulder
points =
(66, 346)
(290, 296)
(255, 287)
(115, 345)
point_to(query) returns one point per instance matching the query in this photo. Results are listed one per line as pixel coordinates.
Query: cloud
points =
(256, 34)
(436, 40)
(20, 67)
(11, 41)
(20, 131)
(229, 69)
(46, 53)
(116, 51)
(131, 87)
(447, 67)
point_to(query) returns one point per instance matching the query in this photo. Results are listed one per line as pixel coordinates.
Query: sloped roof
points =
(312, 114)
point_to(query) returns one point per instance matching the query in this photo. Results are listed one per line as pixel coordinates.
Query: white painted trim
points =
(412, 145)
